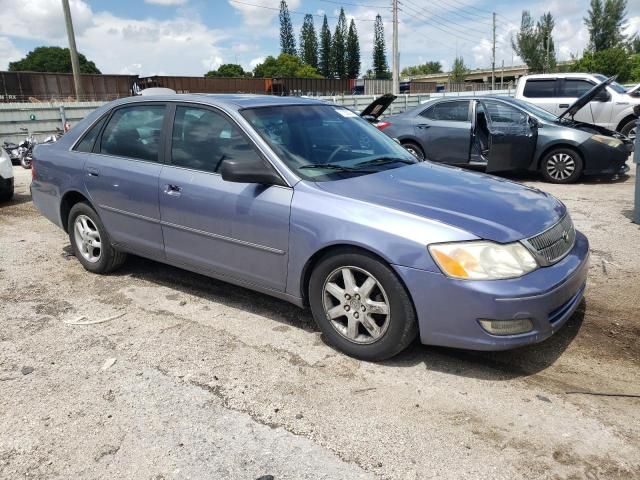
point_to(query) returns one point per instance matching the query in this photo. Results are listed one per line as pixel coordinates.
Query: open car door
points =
(512, 136)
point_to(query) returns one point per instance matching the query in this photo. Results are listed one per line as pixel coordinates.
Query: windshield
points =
(537, 111)
(322, 143)
(614, 85)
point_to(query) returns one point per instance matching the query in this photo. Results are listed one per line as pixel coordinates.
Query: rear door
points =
(512, 139)
(238, 230)
(444, 130)
(121, 175)
(543, 92)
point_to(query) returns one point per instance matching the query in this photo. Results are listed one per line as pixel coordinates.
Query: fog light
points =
(507, 327)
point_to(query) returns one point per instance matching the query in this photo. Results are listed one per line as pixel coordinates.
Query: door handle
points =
(93, 172)
(423, 125)
(173, 190)
(564, 105)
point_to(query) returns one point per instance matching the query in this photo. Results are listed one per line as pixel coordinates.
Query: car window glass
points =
(575, 87)
(539, 88)
(457, 111)
(503, 114)
(87, 142)
(202, 138)
(134, 132)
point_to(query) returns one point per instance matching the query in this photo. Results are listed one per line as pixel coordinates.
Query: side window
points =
(539, 88)
(575, 87)
(134, 132)
(89, 139)
(203, 138)
(457, 111)
(505, 115)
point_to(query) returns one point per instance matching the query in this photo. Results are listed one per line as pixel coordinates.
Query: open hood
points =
(586, 98)
(376, 108)
(634, 91)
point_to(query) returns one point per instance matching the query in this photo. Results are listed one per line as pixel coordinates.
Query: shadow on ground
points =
(505, 365)
(17, 199)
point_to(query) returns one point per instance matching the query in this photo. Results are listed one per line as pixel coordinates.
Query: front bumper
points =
(602, 159)
(448, 310)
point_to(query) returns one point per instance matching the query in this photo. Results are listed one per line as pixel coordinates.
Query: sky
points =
(190, 37)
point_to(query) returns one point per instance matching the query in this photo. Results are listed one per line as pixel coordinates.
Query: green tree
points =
(380, 65)
(634, 44)
(309, 42)
(605, 22)
(634, 68)
(324, 61)
(427, 68)
(51, 59)
(339, 47)
(353, 51)
(284, 66)
(228, 70)
(612, 61)
(287, 40)
(459, 71)
(532, 40)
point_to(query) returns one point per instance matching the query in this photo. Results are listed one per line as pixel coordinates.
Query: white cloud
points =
(256, 61)
(8, 53)
(166, 3)
(255, 15)
(42, 19)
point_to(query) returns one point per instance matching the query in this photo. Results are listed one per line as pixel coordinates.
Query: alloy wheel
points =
(356, 305)
(561, 166)
(87, 238)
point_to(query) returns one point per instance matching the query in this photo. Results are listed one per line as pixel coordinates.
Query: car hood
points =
(485, 206)
(586, 98)
(375, 109)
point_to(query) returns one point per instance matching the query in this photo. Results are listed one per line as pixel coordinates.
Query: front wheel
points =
(361, 306)
(630, 129)
(414, 149)
(561, 165)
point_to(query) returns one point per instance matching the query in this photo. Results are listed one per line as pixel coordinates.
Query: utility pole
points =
(395, 69)
(75, 64)
(546, 58)
(493, 55)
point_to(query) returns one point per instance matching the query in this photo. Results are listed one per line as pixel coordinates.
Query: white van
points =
(612, 109)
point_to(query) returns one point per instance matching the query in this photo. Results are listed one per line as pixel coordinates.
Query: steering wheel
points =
(338, 149)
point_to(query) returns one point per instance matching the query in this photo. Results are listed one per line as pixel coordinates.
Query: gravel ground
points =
(195, 378)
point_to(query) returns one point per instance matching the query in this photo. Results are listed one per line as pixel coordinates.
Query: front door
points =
(236, 230)
(444, 130)
(512, 138)
(121, 175)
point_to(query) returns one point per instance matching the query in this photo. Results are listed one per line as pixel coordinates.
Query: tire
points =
(358, 337)
(102, 259)
(629, 129)
(6, 196)
(26, 162)
(561, 165)
(414, 149)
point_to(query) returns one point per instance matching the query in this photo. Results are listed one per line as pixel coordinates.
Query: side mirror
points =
(533, 122)
(249, 171)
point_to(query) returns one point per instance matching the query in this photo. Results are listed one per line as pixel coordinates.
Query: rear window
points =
(539, 88)
(89, 139)
(457, 111)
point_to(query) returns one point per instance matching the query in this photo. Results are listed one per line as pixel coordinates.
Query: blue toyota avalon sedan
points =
(308, 202)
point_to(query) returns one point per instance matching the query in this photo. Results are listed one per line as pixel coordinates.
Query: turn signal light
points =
(382, 125)
(507, 327)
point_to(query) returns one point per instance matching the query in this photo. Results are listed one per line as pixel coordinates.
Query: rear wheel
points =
(561, 165)
(361, 306)
(90, 241)
(414, 149)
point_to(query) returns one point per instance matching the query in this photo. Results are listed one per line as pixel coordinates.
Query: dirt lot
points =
(215, 381)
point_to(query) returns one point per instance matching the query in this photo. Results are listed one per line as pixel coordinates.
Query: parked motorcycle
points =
(12, 150)
(25, 149)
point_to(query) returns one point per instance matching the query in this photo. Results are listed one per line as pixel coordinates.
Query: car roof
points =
(558, 75)
(235, 101)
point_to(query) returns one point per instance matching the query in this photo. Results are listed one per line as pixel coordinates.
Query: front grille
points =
(553, 244)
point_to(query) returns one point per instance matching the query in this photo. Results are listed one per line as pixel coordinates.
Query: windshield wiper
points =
(334, 166)
(384, 161)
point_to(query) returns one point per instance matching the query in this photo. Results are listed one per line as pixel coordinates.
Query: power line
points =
(444, 20)
(440, 26)
(336, 2)
(297, 13)
(460, 13)
(434, 39)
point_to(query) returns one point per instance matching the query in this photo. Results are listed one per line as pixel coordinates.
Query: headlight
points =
(482, 260)
(609, 141)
